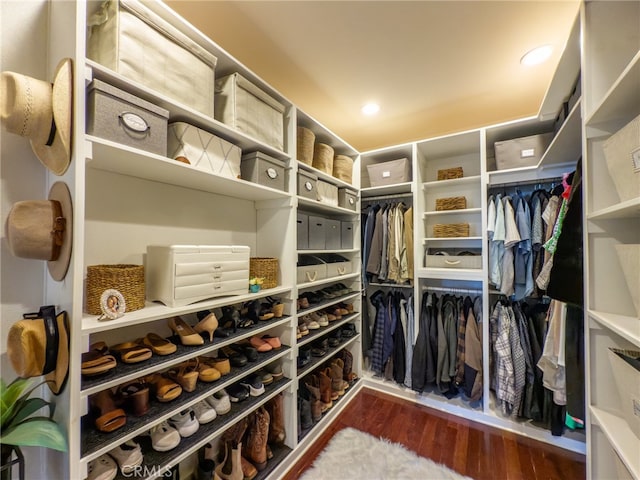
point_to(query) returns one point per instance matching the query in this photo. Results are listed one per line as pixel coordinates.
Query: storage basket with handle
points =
(450, 173)
(451, 203)
(125, 278)
(265, 268)
(448, 230)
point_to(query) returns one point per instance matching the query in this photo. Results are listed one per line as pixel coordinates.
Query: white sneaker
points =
(220, 401)
(102, 468)
(322, 319)
(164, 437)
(185, 422)
(205, 413)
(128, 456)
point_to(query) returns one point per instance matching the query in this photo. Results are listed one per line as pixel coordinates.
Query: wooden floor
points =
(472, 449)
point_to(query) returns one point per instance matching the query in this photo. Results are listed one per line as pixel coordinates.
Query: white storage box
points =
(453, 258)
(307, 184)
(622, 153)
(327, 193)
(347, 198)
(243, 106)
(179, 275)
(521, 152)
(127, 37)
(337, 265)
(627, 379)
(203, 150)
(629, 257)
(389, 173)
(258, 167)
(124, 118)
(310, 269)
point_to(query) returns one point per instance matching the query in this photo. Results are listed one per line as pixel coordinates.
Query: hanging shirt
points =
(410, 335)
(375, 254)
(511, 239)
(552, 361)
(523, 261)
(496, 248)
(384, 259)
(408, 236)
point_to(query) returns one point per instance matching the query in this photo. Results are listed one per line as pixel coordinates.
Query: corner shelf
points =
(315, 334)
(627, 209)
(625, 326)
(325, 176)
(327, 303)
(621, 438)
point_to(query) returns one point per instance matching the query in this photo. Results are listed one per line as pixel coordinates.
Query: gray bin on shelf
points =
(317, 232)
(521, 152)
(302, 224)
(307, 184)
(347, 198)
(332, 235)
(258, 167)
(346, 235)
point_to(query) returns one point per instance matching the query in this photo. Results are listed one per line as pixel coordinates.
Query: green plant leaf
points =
(17, 405)
(35, 432)
(10, 399)
(28, 408)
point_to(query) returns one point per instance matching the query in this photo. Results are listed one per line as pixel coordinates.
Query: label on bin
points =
(386, 174)
(528, 152)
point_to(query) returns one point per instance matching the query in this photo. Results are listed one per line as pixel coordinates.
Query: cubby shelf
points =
(312, 206)
(625, 326)
(317, 361)
(324, 281)
(395, 189)
(627, 209)
(620, 436)
(315, 334)
(462, 211)
(452, 182)
(451, 273)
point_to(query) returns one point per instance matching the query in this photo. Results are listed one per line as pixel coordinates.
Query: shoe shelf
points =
(117, 158)
(156, 311)
(314, 334)
(317, 361)
(163, 461)
(625, 326)
(313, 206)
(125, 372)
(327, 303)
(324, 281)
(179, 111)
(327, 414)
(325, 176)
(621, 437)
(95, 443)
(280, 453)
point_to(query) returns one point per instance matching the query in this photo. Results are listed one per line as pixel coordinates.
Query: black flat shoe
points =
(237, 392)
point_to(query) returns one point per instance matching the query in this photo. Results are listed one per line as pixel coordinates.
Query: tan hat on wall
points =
(42, 230)
(41, 112)
(39, 345)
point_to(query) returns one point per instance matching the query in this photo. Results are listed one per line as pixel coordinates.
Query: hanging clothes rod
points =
(387, 197)
(470, 291)
(540, 181)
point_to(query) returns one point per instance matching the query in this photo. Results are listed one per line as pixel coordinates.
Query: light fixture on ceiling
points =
(537, 55)
(370, 108)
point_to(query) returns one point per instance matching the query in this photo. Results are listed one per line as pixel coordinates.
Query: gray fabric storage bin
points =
(258, 167)
(389, 173)
(347, 198)
(346, 235)
(454, 258)
(521, 152)
(307, 184)
(118, 116)
(337, 265)
(317, 233)
(302, 228)
(332, 234)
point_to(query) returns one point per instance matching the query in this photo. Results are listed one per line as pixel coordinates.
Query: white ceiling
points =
(435, 67)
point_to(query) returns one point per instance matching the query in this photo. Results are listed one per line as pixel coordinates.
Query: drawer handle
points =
(342, 270)
(272, 173)
(310, 277)
(217, 267)
(217, 287)
(452, 262)
(308, 186)
(217, 277)
(134, 122)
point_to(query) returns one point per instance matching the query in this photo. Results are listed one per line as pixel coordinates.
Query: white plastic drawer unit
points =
(179, 275)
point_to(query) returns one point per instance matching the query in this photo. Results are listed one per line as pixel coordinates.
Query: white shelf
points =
(628, 209)
(118, 158)
(434, 213)
(451, 273)
(453, 182)
(625, 326)
(325, 176)
(328, 280)
(566, 146)
(307, 204)
(327, 304)
(449, 239)
(343, 250)
(396, 189)
(621, 438)
(156, 311)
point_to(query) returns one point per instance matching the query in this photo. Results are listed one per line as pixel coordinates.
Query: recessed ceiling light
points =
(370, 108)
(537, 55)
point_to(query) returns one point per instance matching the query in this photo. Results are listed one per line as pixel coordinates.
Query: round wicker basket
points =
(305, 141)
(127, 279)
(323, 158)
(343, 168)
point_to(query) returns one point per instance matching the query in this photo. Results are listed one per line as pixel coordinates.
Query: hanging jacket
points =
(473, 352)
(419, 358)
(399, 350)
(525, 342)
(410, 341)
(378, 301)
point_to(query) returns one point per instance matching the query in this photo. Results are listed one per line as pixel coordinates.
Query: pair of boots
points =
(347, 373)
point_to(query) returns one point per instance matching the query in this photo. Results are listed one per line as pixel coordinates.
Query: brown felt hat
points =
(42, 230)
(39, 345)
(41, 112)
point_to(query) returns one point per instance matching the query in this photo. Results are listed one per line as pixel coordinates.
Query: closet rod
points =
(390, 285)
(452, 290)
(540, 181)
(387, 197)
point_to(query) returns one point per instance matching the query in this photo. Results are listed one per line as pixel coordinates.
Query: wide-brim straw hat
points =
(39, 345)
(41, 112)
(43, 230)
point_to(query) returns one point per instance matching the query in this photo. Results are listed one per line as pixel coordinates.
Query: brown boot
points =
(347, 373)
(231, 467)
(233, 434)
(248, 470)
(325, 390)
(337, 367)
(336, 383)
(317, 407)
(257, 440)
(275, 407)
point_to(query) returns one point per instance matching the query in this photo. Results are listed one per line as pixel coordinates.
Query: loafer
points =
(185, 423)
(265, 377)
(164, 437)
(321, 318)
(102, 468)
(259, 344)
(275, 369)
(205, 413)
(334, 339)
(128, 456)
(236, 358)
(254, 384)
(247, 350)
(348, 330)
(237, 393)
(220, 402)
(273, 341)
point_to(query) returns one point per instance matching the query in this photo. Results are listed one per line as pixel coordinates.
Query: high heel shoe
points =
(185, 374)
(208, 323)
(230, 318)
(188, 336)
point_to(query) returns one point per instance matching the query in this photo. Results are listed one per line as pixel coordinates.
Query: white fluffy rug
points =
(352, 454)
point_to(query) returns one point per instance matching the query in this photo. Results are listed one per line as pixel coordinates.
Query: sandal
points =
(132, 352)
(158, 344)
(186, 374)
(246, 323)
(97, 360)
(135, 396)
(108, 418)
(164, 388)
(265, 312)
(206, 371)
(220, 364)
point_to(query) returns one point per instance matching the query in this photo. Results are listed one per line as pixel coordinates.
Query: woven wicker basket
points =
(343, 168)
(323, 158)
(304, 148)
(449, 173)
(447, 230)
(127, 279)
(265, 268)
(451, 203)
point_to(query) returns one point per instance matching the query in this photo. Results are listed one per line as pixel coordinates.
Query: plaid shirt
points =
(504, 371)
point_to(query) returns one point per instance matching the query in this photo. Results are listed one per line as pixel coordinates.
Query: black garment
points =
(399, 347)
(524, 409)
(536, 323)
(574, 362)
(432, 343)
(419, 360)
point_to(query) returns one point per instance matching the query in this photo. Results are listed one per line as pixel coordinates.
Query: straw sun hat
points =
(41, 112)
(42, 230)
(39, 345)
